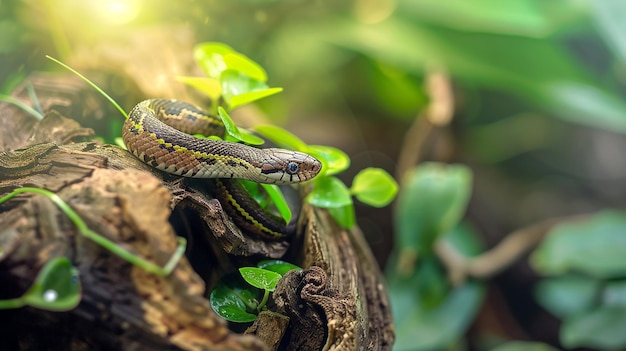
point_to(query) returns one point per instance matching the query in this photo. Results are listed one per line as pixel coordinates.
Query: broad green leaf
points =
(56, 288)
(260, 278)
(602, 328)
(243, 64)
(233, 131)
(567, 295)
(333, 160)
(374, 186)
(344, 215)
(524, 346)
(232, 298)
(209, 86)
(539, 70)
(329, 192)
(278, 266)
(433, 200)
(596, 246)
(281, 137)
(532, 18)
(210, 56)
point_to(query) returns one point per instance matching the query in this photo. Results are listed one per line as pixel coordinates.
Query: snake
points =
(159, 132)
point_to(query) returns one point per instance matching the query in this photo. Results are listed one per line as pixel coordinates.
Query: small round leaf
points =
(232, 298)
(334, 160)
(329, 192)
(56, 288)
(375, 187)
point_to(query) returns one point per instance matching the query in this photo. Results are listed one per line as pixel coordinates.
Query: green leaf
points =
(329, 192)
(524, 346)
(602, 328)
(432, 202)
(232, 298)
(210, 56)
(209, 86)
(260, 278)
(244, 65)
(344, 215)
(278, 266)
(567, 295)
(596, 246)
(281, 137)
(56, 288)
(333, 160)
(374, 186)
(266, 195)
(249, 97)
(278, 200)
(233, 131)
(239, 89)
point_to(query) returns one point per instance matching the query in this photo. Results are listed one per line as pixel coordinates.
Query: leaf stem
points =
(266, 296)
(23, 106)
(11, 303)
(101, 240)
(119, 108)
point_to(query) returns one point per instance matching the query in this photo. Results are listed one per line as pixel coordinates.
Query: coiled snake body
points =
(157, 131)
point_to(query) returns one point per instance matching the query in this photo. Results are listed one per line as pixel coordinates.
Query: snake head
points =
(284, 166)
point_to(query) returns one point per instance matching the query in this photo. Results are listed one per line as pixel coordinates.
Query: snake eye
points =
(293, 168)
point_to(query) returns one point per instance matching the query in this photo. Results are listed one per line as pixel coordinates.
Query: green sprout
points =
(236, 296)
(101, 240)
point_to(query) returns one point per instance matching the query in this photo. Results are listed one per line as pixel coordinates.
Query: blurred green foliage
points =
(429, 313)
(586, 287)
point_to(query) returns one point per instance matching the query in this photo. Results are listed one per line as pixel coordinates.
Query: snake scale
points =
(157, 131)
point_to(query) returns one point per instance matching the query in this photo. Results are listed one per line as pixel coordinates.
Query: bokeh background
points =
(538, 96)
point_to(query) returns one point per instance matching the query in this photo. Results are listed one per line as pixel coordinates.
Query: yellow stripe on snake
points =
(157, 131)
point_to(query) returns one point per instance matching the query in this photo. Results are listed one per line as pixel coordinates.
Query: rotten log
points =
(337, 303)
